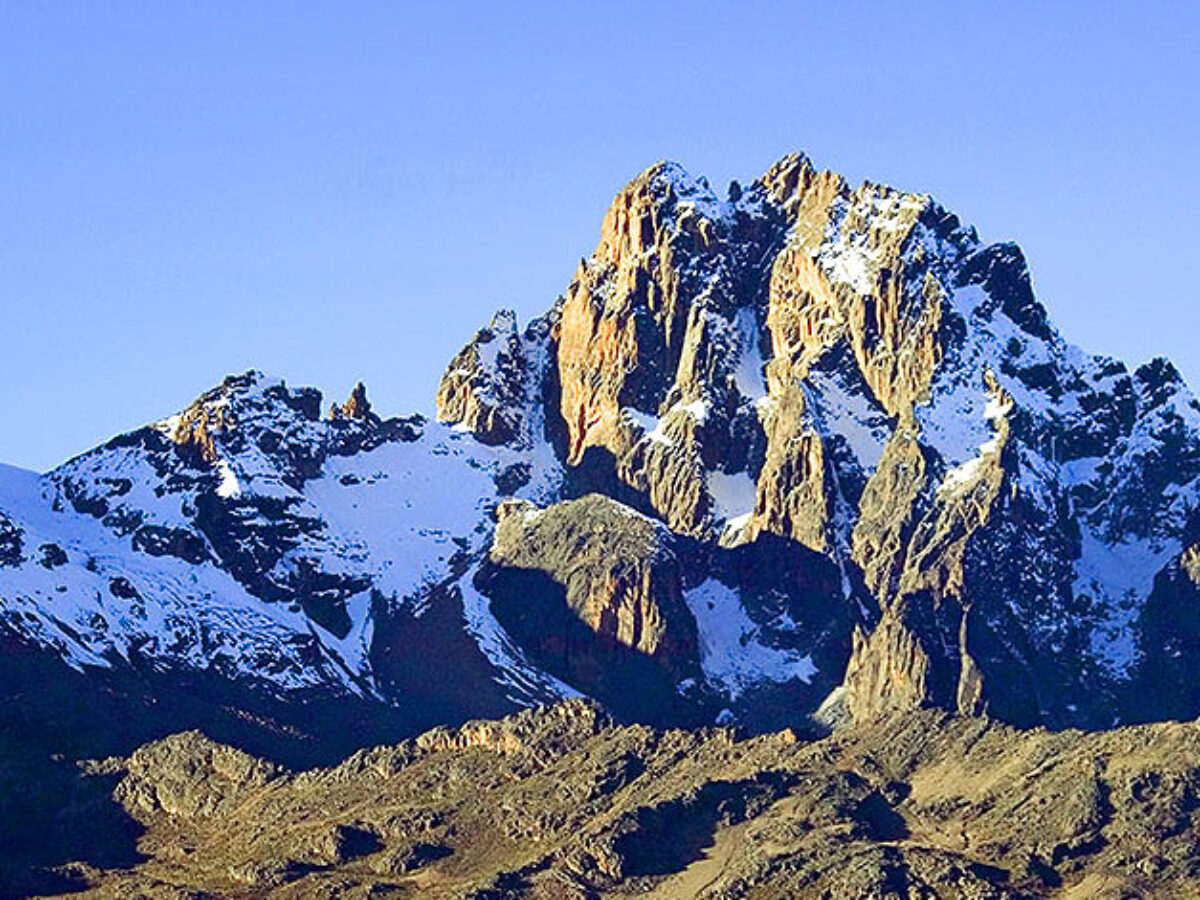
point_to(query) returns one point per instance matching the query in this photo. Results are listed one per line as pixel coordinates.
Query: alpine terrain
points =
(794, 549)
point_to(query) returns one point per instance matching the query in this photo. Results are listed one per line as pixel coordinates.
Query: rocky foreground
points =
(562, 803)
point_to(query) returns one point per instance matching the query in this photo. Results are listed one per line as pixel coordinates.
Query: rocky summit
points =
(805, 456)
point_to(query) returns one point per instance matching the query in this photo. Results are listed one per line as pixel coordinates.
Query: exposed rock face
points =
(190, 776)
(484, 387)
(1169, 629)
(593, 591)
(356, 407)
(11, 543)
(643, 342)
(620, 577)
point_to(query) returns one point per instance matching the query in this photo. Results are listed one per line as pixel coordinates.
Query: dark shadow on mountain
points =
(52, 813)
(879, 819)
(664, 839)
(1169, 627)
(781, 581)
(596, 473)
(533, 609)
(435, 665)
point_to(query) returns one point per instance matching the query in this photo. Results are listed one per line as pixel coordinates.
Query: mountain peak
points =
(356, 407)
(238, 411)
(872, 470)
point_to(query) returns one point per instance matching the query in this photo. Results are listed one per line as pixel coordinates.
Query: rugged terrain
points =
(561, 803)
(805, 455)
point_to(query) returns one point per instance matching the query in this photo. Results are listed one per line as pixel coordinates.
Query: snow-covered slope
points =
(253, 537)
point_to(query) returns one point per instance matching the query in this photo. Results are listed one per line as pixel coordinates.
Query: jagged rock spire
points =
(484, 386)
(357, 407)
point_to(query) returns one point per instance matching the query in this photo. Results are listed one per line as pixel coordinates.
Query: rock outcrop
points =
(357, 407)
(594, 593)
(562, 803)
(619, 576)
(484, 387)
(189, 776)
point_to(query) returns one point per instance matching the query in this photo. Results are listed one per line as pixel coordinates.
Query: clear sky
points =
(339, 191)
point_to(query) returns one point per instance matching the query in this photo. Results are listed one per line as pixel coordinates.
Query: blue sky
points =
(340, 191)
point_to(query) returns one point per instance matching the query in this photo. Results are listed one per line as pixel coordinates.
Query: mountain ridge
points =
(563, 801)
(886, 481)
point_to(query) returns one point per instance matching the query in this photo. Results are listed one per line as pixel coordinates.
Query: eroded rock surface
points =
(563, 803)
(615, 565)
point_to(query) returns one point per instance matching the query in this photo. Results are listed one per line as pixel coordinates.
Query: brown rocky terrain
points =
(561, 802)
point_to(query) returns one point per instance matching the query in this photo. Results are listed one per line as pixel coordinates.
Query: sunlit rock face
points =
(852, 370)
(804, 448)
(619, 577)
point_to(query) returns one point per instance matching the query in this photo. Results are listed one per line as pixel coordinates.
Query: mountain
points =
(806, 455)
(807, 462)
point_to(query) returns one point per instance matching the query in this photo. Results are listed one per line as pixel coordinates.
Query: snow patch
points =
(651, 426)
(850, 415)
(733, 496)
(731, 653)
(697, 409)
(1118, 576)
(748, 373)
(402, 511)
(229, 485)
